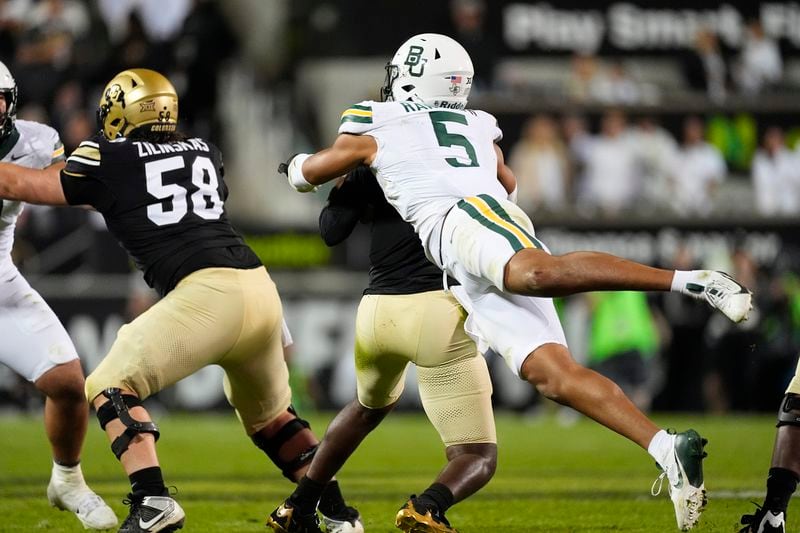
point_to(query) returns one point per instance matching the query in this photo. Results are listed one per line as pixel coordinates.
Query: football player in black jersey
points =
(162, 196)
(404, 317)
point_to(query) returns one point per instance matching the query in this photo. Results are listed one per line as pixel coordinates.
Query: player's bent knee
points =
(372, 416)
(551, 369)
(117, 408)
(789, 412)
(528, 272)
(63, 383)
(275, 445)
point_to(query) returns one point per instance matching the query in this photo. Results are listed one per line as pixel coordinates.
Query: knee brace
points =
(117, 407)
(789, 412)
(272, 446)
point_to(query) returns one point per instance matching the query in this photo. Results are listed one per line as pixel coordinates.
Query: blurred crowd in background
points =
(703, 139)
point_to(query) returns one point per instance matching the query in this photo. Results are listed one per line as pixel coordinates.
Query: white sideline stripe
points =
(737, 494)
(85, 161)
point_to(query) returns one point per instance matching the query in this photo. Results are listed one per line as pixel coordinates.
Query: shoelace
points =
(132, 500)
(660, 481)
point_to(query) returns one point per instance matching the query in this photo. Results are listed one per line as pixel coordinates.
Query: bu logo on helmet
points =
(416, 65)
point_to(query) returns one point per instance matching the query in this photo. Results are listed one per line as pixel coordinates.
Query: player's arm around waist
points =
(32, 185)
(347, 152)
(505, 175)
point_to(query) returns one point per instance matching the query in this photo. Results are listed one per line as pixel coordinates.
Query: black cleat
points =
(150, 514)
(417, 517)
(286, 519)
(764, 521)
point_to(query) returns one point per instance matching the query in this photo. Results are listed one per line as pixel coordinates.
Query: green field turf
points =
(550, 478)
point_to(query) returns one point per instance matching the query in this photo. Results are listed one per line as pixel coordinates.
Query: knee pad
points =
(789, 412)
(117, 407)
(272, 446)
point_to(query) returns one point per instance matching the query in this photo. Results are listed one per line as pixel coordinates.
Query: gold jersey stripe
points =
(485, 210)
(75, 174)
(357, 113)
(87, 152)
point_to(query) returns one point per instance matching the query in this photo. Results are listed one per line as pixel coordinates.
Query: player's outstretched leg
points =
(133, 438)
(289, 442)
(66, 416)
(534, 272)
(784, 472)
(556, 375)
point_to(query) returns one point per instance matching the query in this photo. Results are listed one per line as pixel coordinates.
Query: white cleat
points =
(75, 496)
(351, 524)
(683, 468)
(722, 292)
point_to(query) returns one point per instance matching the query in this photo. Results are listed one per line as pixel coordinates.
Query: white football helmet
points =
(8, 88)
(432, 69)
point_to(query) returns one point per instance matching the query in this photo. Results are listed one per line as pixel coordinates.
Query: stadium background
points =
(267, 79)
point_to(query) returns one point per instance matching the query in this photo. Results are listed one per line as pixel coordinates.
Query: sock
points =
(437, 495)
(686, 282)
(660, 446)
(70, 466)
(331, 501)
(781, 484)
(307, 494)
(148, 481)
(63, 472)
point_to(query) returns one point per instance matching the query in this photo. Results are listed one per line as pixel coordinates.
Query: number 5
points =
(447, 139)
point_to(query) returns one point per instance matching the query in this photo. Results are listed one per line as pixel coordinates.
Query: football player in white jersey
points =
(34, 343)
(440, 166)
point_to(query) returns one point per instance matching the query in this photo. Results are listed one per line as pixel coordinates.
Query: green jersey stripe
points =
(361, 107)
(356, 118)
(470, 209)
(497, 208)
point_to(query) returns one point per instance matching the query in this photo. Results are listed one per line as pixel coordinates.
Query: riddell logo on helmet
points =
(449, 105)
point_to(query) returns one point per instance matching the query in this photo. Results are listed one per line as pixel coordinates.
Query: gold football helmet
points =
(135, 98)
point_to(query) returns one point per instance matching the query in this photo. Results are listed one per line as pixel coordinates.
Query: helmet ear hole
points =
(407, 88)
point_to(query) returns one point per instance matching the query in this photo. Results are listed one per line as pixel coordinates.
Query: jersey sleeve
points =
(490, 125)
(358, 118)
(216, 159)
(80, 178)
(54, 143)
(345, 207)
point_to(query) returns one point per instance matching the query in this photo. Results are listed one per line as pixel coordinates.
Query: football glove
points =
(293, 170)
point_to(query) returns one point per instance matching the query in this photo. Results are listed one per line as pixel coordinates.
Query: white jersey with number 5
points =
(428, 158)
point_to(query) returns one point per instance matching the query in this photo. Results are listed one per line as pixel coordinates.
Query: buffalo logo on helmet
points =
(115, 94)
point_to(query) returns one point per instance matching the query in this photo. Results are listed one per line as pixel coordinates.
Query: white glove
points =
(294, 171)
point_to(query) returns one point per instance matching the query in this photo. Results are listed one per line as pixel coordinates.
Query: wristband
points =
(295, 174)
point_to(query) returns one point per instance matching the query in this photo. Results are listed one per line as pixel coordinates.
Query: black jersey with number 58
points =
(164, 203)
